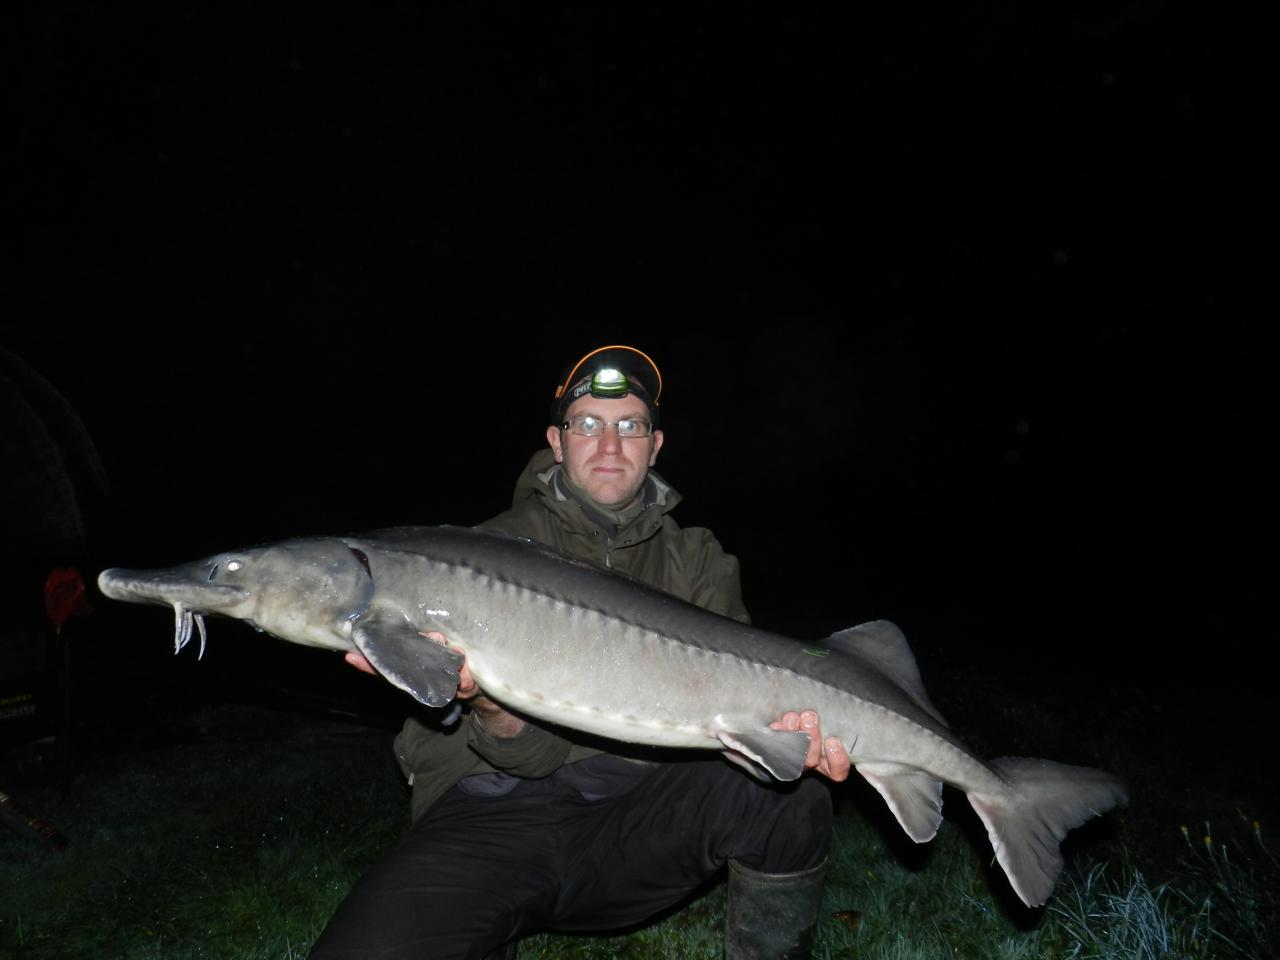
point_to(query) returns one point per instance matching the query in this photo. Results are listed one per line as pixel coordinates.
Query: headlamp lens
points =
(610, 383)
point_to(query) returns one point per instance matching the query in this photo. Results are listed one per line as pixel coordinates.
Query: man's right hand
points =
(358, 661)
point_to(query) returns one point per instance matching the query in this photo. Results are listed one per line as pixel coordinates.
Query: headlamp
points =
(610, 384)
(610, 373)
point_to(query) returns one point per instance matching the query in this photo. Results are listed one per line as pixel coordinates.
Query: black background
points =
(963, 310)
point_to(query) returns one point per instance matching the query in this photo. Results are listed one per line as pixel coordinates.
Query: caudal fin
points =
(1045, 801)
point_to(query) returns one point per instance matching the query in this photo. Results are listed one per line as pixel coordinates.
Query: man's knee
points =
(791, 828)
(769, 826)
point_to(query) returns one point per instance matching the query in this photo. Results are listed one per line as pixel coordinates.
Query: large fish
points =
(584, 647)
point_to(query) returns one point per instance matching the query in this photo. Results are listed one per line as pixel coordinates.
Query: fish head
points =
(304, 591)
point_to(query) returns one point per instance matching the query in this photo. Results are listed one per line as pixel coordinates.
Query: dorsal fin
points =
(882, 643)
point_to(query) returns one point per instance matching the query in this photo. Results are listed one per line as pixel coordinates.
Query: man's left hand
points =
(828, 757)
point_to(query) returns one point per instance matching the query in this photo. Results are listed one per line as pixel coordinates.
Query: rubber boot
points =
(771, 916)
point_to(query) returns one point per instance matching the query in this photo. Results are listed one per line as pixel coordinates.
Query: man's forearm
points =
(511, 744)
(495, 721)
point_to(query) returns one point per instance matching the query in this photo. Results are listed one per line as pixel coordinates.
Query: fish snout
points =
(169, 587)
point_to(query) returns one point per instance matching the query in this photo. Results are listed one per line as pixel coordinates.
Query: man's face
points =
(608, 468)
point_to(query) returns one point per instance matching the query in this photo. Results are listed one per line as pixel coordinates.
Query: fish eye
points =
(234, 565)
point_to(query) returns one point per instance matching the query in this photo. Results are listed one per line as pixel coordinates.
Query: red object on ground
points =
(64, 595)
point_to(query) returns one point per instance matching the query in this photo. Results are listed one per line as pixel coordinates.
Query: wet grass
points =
(236, 830)
(239, 842)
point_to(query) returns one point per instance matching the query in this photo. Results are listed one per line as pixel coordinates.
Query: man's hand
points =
(358, 661)
(829, 758)
(492, 717)
(467, 688)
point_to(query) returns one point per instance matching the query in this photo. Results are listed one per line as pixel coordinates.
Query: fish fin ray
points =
(914, 797)
(781, 752)
(753, 768)
(423, 668)
(1044, 802)
(885, 645)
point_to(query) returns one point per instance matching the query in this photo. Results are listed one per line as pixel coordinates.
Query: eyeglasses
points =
(588, 426)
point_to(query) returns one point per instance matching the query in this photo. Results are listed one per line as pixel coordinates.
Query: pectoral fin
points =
(426, 670)
(781, 752)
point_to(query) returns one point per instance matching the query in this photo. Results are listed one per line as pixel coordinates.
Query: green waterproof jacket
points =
(652, 547)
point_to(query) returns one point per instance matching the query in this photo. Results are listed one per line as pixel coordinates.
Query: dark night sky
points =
(962, 312)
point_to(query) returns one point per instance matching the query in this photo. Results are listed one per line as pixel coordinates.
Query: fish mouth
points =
(190, 598)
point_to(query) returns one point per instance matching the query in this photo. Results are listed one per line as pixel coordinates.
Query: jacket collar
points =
(541, 478)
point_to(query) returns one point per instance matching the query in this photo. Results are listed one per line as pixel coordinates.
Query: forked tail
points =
(1044, 802)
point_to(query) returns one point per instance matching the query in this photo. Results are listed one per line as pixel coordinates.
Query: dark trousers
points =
(475, 872)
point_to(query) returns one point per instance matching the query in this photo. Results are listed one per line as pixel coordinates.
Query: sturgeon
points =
(577, 645)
